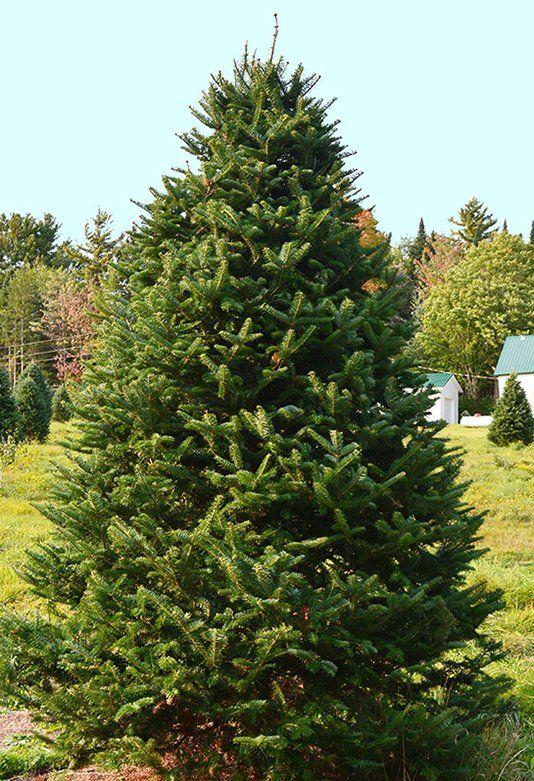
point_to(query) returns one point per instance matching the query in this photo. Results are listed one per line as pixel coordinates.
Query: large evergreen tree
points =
(513, 420)
(260, 558)
(474, 222)
(8, 407)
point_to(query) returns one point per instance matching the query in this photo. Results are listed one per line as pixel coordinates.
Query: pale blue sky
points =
(435, 95)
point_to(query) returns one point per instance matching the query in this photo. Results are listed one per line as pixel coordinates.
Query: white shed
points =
(517, 356)
(446, 390)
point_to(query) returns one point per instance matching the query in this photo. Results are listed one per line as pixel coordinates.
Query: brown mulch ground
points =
(19, 723)
(94, 774)
(14, 722)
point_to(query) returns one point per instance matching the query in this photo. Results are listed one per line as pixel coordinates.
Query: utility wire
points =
(35, 341)
(16, 345)
(460, 374)
(51, 352)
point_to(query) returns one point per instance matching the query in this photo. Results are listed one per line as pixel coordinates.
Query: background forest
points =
(465, 292)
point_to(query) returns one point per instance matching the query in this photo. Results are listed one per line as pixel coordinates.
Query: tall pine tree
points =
(97, 257)
(260, 558)
(474, 222)
(418, 245)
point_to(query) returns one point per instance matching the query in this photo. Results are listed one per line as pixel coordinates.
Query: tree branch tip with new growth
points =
(275, 36)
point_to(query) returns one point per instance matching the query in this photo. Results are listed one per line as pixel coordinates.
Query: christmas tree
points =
(61, 404)
(45, 390)
(260, 553)
(513, 420)
(33, 409)
(8, 407)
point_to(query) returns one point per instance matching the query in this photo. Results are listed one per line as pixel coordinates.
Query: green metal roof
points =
(517, 356)
(438, 379)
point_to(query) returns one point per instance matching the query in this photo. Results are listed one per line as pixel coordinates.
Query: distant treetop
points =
(474, 222)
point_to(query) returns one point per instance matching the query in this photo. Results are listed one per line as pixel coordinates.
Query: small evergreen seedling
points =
(33, 409)
(8, 406)
(61, 404)
(513, 420)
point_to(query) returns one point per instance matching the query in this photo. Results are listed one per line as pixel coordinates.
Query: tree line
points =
(47, 292)
(466, 292)
(463, 292)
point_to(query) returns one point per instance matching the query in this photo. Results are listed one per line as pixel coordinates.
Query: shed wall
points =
(445, 405)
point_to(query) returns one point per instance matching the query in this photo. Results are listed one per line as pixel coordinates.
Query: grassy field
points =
(502, 482)
(21, 525)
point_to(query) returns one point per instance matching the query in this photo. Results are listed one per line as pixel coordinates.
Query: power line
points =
(56, 351)
(16, 345)
(35, 341)
(460, 374)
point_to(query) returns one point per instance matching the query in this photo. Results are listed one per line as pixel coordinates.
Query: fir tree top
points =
(97, 257)
(474, 222)
(418, 245)
(250, 121)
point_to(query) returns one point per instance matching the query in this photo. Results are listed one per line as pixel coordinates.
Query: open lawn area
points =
(502, 482)
(21, 525)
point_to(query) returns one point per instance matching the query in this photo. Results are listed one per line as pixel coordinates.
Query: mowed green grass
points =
(502, 483)
(21, 525)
